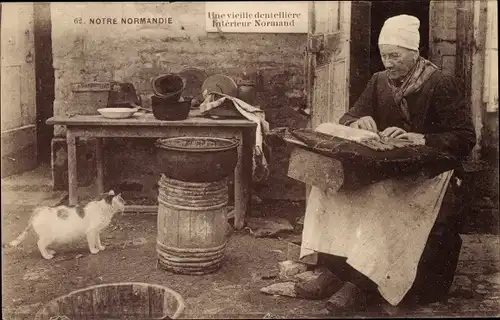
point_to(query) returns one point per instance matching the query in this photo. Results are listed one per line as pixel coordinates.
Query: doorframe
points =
(0, 45)
(44, 77)
(359, 53)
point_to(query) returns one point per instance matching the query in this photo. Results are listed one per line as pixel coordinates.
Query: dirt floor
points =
(29, 281)
(232, 292)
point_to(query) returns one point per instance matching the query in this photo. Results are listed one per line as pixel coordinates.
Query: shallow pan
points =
(117, 113)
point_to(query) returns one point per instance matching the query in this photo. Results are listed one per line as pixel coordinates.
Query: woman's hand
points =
(366, 123)
(392, 132)
(416, 138)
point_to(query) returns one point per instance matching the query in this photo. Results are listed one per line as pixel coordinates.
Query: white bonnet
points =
(401, 31)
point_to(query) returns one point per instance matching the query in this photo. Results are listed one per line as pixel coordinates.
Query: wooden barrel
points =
(192, 225)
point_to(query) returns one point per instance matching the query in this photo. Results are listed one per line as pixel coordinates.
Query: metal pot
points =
(168, 86)
(247, 92)
(170, 110)
(197, 159)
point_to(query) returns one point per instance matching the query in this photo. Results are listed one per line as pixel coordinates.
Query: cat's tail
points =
(22, 236)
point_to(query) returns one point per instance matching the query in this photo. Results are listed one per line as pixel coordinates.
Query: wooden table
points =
(146, 126)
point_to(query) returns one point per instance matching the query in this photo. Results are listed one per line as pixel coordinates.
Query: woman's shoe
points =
(349, 298)
(322, 285)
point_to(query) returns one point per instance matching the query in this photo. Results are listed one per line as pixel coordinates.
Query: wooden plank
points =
(140, 300)
(170, 236)
(243, 178)
(337, 91)
(468, 21)
(72, 173)
(477, 71)
(321, 16)
(80, 305)
(11, 97)
(218, 228)
(99, 166)
(240, 204)
(311, 10)
(198, 231)
(490, 96)
(320, 94)
(147, 119)
(126, 298)
(345, 9)
(100, 301)
(160, 226)
(334, 45)
(333, 18)
(18, 111)
(114, 301)
(15, 16)
(315, 169)
(19, 150)
(28, 89)
(87, 305)
(464, 37)
(156, 302)
(310, 60)
(184, 229)
(18, 67)
(152, 132)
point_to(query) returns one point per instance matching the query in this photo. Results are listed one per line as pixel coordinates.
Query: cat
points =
(63, 224)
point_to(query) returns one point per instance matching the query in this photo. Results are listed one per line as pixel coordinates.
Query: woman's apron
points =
(382, 228)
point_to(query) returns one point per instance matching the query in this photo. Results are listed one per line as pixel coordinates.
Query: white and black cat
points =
(63, 224)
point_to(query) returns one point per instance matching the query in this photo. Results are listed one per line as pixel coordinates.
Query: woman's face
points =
(397, 61)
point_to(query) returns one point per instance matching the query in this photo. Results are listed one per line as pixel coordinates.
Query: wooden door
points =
(471, 38)
(327, 60)
(18, 107)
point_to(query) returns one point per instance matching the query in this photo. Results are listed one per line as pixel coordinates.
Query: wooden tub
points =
(123, 300)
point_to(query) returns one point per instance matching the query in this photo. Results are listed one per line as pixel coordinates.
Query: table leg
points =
(100, 166)
(243, 179)
(72, 174)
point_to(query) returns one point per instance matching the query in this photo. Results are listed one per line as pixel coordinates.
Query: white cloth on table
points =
(254, 114)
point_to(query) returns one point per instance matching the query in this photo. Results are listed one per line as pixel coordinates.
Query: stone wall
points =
(85, 52)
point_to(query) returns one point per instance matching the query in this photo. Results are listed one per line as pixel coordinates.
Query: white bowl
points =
(117, 113)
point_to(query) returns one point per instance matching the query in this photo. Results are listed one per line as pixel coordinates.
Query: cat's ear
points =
(111, 192)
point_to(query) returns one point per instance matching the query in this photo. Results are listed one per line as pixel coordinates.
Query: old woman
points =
(399, 236)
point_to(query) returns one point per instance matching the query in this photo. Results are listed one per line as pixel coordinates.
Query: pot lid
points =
(221, 84)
